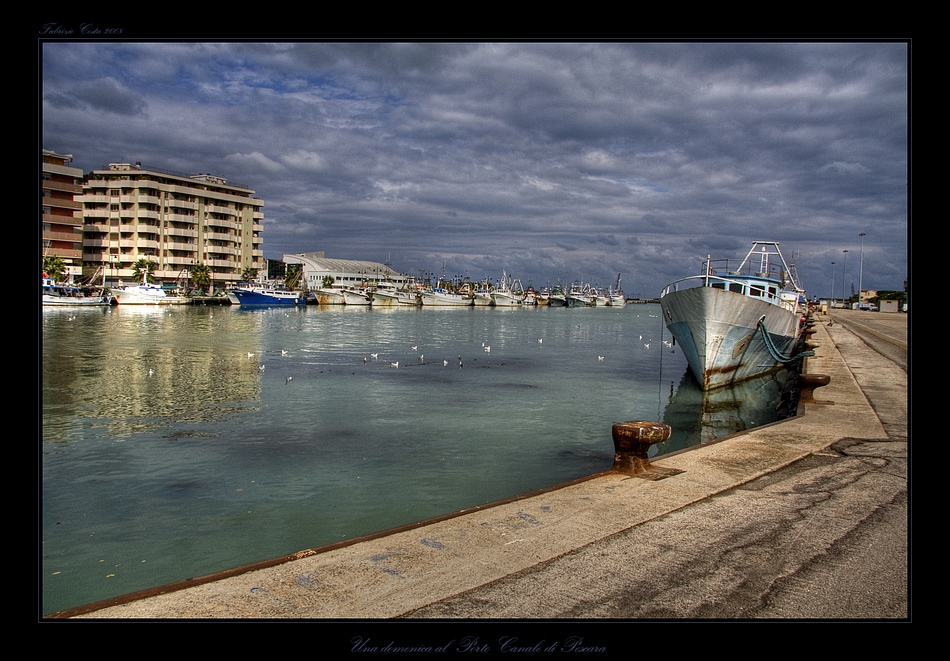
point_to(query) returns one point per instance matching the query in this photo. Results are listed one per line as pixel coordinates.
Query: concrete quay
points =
(801, 519)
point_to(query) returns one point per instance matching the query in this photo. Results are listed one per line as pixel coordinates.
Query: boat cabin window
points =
(718, 285)
(756, 290)
(736, 287)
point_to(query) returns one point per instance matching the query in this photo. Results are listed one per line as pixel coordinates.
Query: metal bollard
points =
(807, 383)
(632, 441)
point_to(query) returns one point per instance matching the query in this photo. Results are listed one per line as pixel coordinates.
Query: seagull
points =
(600, 358)
(422, 358)
(283, 352)
(260, 368)
(396, 364)
(151, 372)
(646, 344)
(487, 349)
(540, 340)
(289, 379)
(415, 348)
(374, 356)
(250, 355)
(445, 363)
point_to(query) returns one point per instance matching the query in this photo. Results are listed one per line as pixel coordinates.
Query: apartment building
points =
(176, 221)
(61, 212)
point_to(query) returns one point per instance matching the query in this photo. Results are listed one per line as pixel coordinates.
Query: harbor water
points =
(179, 441)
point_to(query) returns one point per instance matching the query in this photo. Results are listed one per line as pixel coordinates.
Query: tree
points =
(201, 275)
(249, 274)
(143, 267)
(54, 267)
(327, 281)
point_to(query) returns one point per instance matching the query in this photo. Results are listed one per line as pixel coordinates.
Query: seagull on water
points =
(289, 379)
(396, 364)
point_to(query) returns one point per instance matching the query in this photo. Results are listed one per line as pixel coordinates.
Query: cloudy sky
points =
(548, 161)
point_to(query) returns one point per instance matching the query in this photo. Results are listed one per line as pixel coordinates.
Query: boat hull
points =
(446, 299)
(253, 297)
(150, 295)
(718, 332)
(506, 299)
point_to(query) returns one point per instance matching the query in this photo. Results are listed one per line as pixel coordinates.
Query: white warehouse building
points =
(345, 272)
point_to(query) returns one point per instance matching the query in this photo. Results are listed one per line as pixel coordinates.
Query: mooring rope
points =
(774, 352)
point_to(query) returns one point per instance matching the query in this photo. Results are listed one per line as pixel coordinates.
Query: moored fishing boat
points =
(387, 294)
(508, 293)
(736, 323)
(442, 297)
(557, 298)
(56, 294)
(617, 297)
(579, 297)
(248, 294)
(147, 293)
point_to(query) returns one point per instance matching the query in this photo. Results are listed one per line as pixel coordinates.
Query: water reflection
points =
(697, 416)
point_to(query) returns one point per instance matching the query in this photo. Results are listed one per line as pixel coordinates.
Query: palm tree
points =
(292, 277)
(248, 274)
(55, 267)
(327, 281)
(143, 267)
(201, 275)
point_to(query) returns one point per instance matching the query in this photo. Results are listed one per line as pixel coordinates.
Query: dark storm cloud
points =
(545, 160)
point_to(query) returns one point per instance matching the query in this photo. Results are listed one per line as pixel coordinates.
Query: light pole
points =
(832, 284)
(861, 269)
(844, 275)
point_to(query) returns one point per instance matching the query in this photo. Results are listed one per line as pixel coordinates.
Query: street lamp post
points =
(832, 284)
(844, 275)
(861, 269)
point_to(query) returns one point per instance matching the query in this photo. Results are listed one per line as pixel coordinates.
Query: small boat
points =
(147, 293)
(387, 294)
(736, 323)
(55, 294)
(247, 294)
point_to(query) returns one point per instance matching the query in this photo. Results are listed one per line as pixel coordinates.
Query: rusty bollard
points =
(632, 441)
(807, 383)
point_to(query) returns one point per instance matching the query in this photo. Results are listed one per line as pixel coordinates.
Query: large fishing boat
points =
(248, 294)
(736, 323)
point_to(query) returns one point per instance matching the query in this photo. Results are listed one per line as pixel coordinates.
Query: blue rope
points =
(774, 352)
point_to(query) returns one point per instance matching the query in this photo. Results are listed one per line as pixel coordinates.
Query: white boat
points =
(557, 298)
(341, 296)
(617, 297)
(55, 294)
(387, 294)
(736, 323)
(482, 297)
(442, 297)
(248, 294)
(580, 297)
(508, 293)
(146, 293)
